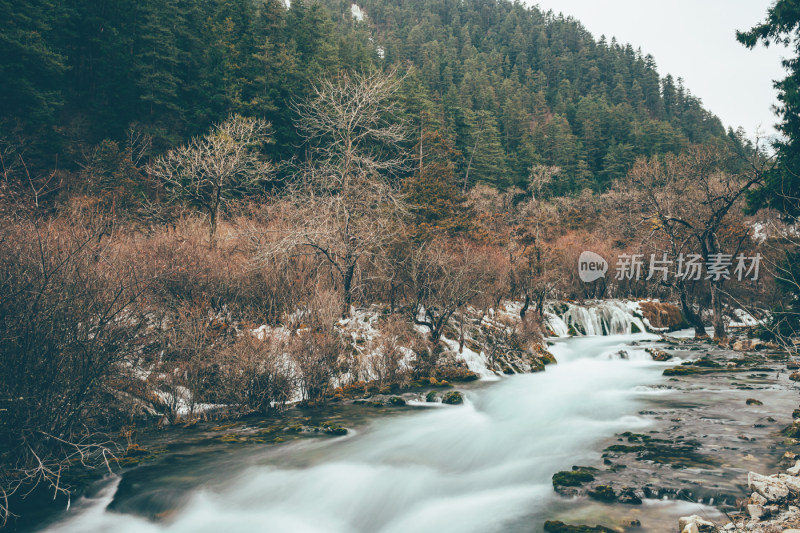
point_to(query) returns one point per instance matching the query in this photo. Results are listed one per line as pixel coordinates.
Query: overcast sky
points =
(694, 40)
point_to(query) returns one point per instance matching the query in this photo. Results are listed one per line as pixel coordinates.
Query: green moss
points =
(572, 478)
(793, 431)
(635, 328)
(396, 401)
(604, 493)
(431, 396)
(453, 398)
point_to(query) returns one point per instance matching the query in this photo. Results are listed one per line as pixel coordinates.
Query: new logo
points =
(591, 267)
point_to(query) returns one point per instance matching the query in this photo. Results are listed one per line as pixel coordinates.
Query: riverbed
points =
(483, 466)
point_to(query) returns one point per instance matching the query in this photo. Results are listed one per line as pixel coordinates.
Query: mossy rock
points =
(753, 401)
(336, 430)
(796, 413)
(572, 478)
(431, 396)
(604, 493)
(683, 370)
(793, 431)
(453, 398)
(397, 401)
(555, 526)
(628, 495)
(635, 328)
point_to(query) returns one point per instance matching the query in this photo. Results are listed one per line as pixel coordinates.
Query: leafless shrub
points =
(69, 317)
(254, 375)
(385, 354)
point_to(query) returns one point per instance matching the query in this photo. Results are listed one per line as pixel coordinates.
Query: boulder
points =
(753, 401)
(604, 493)
(795, 470)
(770, 488)
(698, 522)
(690, 528)
(658, 355)
(453, 398)
(791, 482)
(755, 511)
(794, 376)
(758, 499)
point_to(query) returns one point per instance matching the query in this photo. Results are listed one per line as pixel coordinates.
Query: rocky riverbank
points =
(719, 414)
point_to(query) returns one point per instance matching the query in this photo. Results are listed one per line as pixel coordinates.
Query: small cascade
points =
(606, 317)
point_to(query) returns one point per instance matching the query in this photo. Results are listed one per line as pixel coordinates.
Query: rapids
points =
(480, 467)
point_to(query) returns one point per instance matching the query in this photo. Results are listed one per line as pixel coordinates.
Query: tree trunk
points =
(692, 318)
(525, 307)
(719, 319)
(347, 284)
(214, 212)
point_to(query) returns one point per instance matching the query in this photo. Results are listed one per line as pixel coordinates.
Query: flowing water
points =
(481, 467)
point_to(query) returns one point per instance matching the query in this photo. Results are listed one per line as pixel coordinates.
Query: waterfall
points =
(605, 317)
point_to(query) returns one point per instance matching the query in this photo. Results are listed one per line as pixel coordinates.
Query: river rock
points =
(630, 496)
(758, 499)
(747, 345)
(691, 528)
(795, 470)
(791, 482)
(794, 376)
(453, 398)
(699, 524)
(658, 355)
(755, 511)
(770, 488)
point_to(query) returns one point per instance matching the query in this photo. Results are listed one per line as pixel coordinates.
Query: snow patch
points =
(357, 13)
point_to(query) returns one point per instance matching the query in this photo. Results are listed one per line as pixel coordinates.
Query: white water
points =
(606, 317)
(485, 466)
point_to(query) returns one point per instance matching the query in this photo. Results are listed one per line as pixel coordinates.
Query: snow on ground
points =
(743, 319)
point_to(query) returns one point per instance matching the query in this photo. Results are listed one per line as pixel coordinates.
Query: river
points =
(480, 467)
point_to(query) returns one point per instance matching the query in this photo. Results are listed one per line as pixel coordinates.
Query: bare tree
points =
(443, 279)
(211, 169)
(684, 203)
(345, 206)
(531, 276)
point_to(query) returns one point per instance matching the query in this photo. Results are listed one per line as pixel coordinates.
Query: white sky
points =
(695, 40)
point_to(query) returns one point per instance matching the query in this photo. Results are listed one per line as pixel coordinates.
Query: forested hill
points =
(508, 85)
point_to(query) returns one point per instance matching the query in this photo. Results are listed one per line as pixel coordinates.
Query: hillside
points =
(510, 86)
